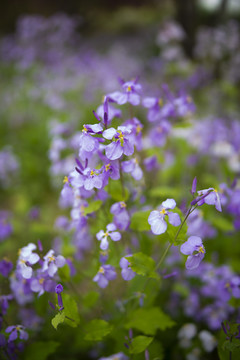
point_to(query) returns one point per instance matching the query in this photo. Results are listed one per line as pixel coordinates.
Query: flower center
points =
(84, 129)
(92, 173)
(138, 129)
(51, 258)
(41, 281)
(122, 204)
(163, 211)
(101, 270)
(106, 234)
(107, 167)
(201, 249)
(160, 102)
(129, 88)
(65, 180)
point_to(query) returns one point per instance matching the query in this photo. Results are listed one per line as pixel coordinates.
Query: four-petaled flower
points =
(52, 263)
(196, 251)
(156, 217)
(26, 258)
(105, 273)
(211, 197)
(15, 331)
(103, 236)
(120, 144)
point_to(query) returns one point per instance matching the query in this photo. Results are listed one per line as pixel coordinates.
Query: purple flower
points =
(52, 263)
(130, 93)
(5, 226)
(132, 166)
(127, 272)
(16, 331)
(121, 217)
(5, 267)
(120, 142)
(26, 258)
(41, 283)
(196, 251)
(103, 236)
(156, 217)
(58, 290)
(105, 273)
(208, 196)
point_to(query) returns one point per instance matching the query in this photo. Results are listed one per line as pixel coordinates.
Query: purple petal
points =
(169, 204)
(23, 335)
(114, 150)
(10, 328)
(159, 226)
(174, 219)
(104, 243)
(109, 133)
(154, 216)
(100, 235)
(87, 142)
(115, 236)
(33, 258)
(193, 261)
(52, 269)
(128, 147)
(149, 102)
(111, 227)
(102, 281)
(128, 274)
(26, 272)
(60, 261)
(13, 336)
(190, 245)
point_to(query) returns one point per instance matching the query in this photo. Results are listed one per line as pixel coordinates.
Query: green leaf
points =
(97, 329)
(221, 223)
(234, 302)
(165, 192)
(143, 265)
(231, 346)
(40, 350)
(90, 299)
(139, 344)
(92, 207)
(115, 191)
(70, 310)
(64, 273)
(149, 320)
(58, 319)
(139, 221)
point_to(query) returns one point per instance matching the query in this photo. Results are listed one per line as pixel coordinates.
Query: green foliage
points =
(149, 320)
(115, 191)
(90, 299)
(143, 265)
(71, 311)
(58, 319)
(92, 207)
(139, 221)
(139, 344)
(96, 329)
(40, 350)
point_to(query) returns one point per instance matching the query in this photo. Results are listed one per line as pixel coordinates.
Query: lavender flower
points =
(103, 236)
(120, 142)
(156, 217)
(5, 267)
(132, 166)
(130, 93)
(211, 197)
(15, 332)
(196, 251)
(127, 272)
(26, 257)
(121, 217)
(105, 273)
(52, 263)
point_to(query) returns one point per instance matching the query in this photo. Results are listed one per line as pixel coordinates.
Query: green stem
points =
(121, 179)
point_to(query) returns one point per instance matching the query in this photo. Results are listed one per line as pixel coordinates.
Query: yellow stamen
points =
(138, 129)
(122, 204)
(65, 180)
(106, 234)
(51, 258)
(101, 270)
(41, 281)
(201, 250)
(160, 102)
(129, 88)
(107, 167)
(163, 211)
(84, 129)
(92, 173)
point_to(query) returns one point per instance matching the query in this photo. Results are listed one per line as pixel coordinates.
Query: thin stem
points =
(121, 179)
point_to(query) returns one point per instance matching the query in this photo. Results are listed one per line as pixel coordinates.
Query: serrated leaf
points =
(97, 329)
(143, 265)
(40, 350)
(139, 221)
(92, 207)
(70, 310)
(149, 320)
(58, 319)
(139, 344)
